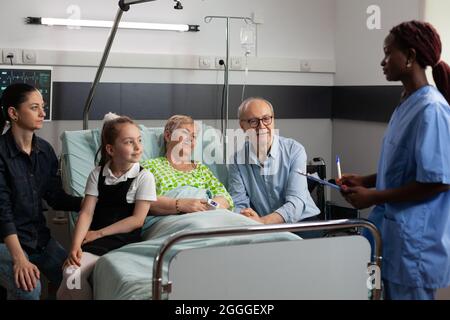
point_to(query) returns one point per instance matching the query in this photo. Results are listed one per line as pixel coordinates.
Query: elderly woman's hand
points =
(192, 205)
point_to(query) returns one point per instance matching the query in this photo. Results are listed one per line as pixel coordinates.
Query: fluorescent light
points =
(130, 2)
(109, 24)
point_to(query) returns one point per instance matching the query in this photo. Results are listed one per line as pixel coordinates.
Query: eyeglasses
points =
(254, 122)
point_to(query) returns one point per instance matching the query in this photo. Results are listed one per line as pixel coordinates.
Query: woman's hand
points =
(222, 201)
(74, 258)
(351, 180)
(192, 205)
(26, 274)
(92, 235)
(359, 197)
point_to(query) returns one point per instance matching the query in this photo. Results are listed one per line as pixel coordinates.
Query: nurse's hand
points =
(359, 197)
(351, 180)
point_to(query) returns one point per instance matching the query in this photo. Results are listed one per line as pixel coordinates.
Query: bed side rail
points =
(157, 285)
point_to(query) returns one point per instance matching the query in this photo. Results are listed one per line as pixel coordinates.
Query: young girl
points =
(28, 175)
(118, 194)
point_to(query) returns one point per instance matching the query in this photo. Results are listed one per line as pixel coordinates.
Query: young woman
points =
(117, 200)
(28, 175)
(412, 194)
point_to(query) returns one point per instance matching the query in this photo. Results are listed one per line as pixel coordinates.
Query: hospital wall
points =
(153, 74)
(287, 26)
(363, 100)
(339, 107)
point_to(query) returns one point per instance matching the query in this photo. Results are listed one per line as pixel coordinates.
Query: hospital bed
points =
(221, 255)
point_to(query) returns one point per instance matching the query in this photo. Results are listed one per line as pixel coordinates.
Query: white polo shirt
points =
(142, 187)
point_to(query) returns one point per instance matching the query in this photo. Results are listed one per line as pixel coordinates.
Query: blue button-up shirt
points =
(24, 181)
(273, 186)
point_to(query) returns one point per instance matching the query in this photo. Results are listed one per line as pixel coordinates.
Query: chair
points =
(317, 190)
(328, 209)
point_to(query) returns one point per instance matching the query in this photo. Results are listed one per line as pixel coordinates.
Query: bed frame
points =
(323, 268)
(338, 265)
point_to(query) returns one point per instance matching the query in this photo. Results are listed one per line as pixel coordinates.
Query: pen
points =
(338, 165)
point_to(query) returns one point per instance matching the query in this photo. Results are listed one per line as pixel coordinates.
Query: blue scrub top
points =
(416, 235)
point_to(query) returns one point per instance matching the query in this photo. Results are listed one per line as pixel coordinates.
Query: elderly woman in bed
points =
(176, 170)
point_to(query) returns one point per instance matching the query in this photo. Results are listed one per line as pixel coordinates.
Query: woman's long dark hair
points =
(109, 134)
(423, 37)
(13, 96)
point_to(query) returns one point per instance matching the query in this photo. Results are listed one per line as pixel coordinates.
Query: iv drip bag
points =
(248, 37)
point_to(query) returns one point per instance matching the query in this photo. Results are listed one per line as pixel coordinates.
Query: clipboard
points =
(318, 180)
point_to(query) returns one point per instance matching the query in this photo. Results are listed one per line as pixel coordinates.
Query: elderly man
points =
(263, 181)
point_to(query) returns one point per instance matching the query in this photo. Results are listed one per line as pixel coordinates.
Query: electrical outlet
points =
(236, 63)
(218, 65)
(13, 53)
(305, 66)
(29, 57)
(205, 62)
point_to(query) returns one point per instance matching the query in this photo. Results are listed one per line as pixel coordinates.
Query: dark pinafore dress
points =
(111, 207)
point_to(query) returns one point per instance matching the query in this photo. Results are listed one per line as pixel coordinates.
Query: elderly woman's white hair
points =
(247, 102)
(176, 121)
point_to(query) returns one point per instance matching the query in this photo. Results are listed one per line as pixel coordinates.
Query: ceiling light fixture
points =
(109, 24)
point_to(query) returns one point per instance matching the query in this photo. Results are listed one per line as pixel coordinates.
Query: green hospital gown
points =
(168, 178)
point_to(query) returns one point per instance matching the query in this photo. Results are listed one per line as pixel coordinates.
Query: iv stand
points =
(208, 19)
(124, 5)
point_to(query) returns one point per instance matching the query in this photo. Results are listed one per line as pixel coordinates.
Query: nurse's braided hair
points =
(423, 37)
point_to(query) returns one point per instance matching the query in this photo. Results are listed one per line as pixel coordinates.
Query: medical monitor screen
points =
(38, 77)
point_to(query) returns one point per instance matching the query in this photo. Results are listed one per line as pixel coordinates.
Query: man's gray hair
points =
(247, 101)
